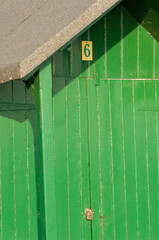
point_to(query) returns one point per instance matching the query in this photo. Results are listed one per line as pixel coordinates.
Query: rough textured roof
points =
(32, 30)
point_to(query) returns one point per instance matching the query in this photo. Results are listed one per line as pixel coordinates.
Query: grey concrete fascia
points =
(28, 64)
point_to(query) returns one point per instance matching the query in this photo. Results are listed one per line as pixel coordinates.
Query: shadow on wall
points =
(147, 14)
(106, 34)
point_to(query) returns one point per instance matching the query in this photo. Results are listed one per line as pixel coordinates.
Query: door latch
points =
(89, 214)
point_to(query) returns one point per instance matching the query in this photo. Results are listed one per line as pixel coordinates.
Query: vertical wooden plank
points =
(114, 43)
(124, 163)
(84, 157)
(131, 184)
(100, 166)
(76, 60)
(147, 166)
(112, 162)
(156, 59)
(97, 37)
(73, 159)
(59, 67)
(141, 160)
(7, 184)
(43, 86)
(66, 62)
(77, 97)
(157, 136)
(152, 163)
(105, 46)
(119, 195)
(94, 157)
(122, 125)
(106, 216)
(60, 157)
(20, 163)
(31, 146)
(145, 54)
(129, 46)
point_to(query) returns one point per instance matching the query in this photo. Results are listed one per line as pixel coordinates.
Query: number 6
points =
(86, 50)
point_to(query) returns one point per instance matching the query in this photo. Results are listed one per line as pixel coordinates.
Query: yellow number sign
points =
(87, 51)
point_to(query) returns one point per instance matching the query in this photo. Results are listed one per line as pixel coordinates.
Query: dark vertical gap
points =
(89, 162)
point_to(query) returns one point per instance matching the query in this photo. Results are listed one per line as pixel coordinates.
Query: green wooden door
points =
(106, 157)
(105, 120)
(123, 133)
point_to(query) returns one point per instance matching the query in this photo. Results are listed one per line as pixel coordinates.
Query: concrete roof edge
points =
(57, 41)
(10, 72)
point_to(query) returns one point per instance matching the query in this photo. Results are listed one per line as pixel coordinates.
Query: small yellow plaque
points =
(87, 51)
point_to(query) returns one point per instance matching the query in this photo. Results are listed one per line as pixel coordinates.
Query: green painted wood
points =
(84, 150)
(152, 165)
(20, 174)
(147, 14)
(119, 117)
(130, 41)
(71, 162)
(16, 107)
(141, 153)
(113, 31)
(98, 63)
(156, 59)
(95, 163)
(133, 161)
(130, 153)
(74, 160)
(145, 49)
(60, 158)
(31, 144)
(46, 177)
(7, 183)
(72, 199)
(118, 160)
(107, 216)
(99, 133)
(18, 214)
